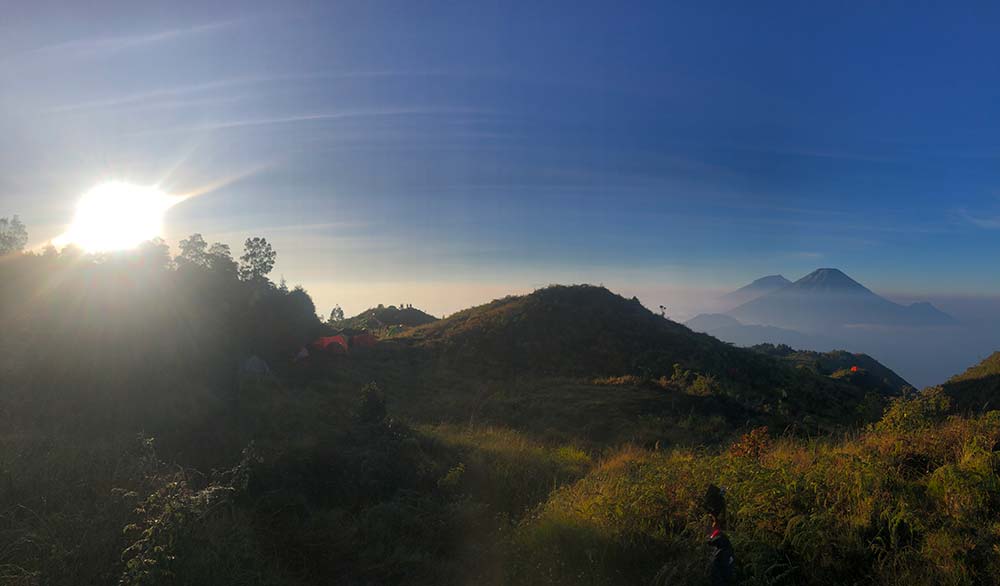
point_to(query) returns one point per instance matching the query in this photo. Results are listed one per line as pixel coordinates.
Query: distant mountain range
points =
(730, 329)
(828, 298)
(827, 310)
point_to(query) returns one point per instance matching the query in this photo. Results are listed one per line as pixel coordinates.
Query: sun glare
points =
(116, 216)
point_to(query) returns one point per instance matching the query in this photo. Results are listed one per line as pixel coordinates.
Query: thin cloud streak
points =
(185, 90)
(112, 44)
(309, 118)
(988, 223)
(145, 97)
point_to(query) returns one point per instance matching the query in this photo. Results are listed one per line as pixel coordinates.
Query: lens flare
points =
(117, 216)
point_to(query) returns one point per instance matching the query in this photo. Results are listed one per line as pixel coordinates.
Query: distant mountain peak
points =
(769, 281)
(759, 287)
(829, 279)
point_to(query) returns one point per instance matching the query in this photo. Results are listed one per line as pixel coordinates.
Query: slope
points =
(978, 388)
(870, 374)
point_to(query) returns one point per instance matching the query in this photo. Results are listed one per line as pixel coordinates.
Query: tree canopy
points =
(13, 235)
(257, 260)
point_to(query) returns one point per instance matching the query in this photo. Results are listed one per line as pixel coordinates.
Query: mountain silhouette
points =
(729, 329)
(828, 299)
(758, 288)
(706, 323)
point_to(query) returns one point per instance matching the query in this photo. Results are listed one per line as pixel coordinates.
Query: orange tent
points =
(331, 344)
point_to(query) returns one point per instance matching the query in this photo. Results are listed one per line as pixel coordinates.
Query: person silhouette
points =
(721, 557)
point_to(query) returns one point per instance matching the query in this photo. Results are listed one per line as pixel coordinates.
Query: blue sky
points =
(446, 153)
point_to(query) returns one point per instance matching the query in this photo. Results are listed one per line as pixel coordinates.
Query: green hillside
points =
(584, 334)
(382, 318)
(870, 374)
(978, 388)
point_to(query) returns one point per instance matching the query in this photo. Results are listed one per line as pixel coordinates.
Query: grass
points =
(882, 507)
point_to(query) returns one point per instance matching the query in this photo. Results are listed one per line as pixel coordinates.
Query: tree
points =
(193, 251)
(154, 254)
(220, 259)
(336, 315)
(13, 235)
(257, 260)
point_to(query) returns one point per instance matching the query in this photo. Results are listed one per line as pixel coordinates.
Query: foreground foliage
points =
(903, 503)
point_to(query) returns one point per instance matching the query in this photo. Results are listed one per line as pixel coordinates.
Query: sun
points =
(117, 216)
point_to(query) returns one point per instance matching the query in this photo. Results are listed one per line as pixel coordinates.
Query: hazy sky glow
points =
(443, 154)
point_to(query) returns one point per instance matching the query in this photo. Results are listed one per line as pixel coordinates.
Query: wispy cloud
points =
(156, 95)
(796, 151)
(92, 46)
(168, 95)
(347, 114)
(987, 222)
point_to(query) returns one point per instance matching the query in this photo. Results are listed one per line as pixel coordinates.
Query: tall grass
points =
(888, 506)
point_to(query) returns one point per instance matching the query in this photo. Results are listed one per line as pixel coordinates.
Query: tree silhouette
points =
(220, 259)
(13, 235)
(193, 251)
(257, 260)
(336, 315)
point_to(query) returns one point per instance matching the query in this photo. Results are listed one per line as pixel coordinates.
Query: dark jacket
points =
(721, 560)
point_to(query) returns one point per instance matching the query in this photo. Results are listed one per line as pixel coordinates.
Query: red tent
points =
(854, 369)
(331, 344)
(365, 340)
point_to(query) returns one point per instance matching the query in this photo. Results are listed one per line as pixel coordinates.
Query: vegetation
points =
(559, 437)
(860, 369)
(13, 235)
(978, 388)
(886, 506)
(384, 320)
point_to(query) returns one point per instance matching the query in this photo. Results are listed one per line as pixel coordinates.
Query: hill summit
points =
(580, 329)
(382, 317)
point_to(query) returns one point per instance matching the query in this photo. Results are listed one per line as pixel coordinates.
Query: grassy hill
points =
(870, 374)
(381, 318)
(978, 388)
(528, 361)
